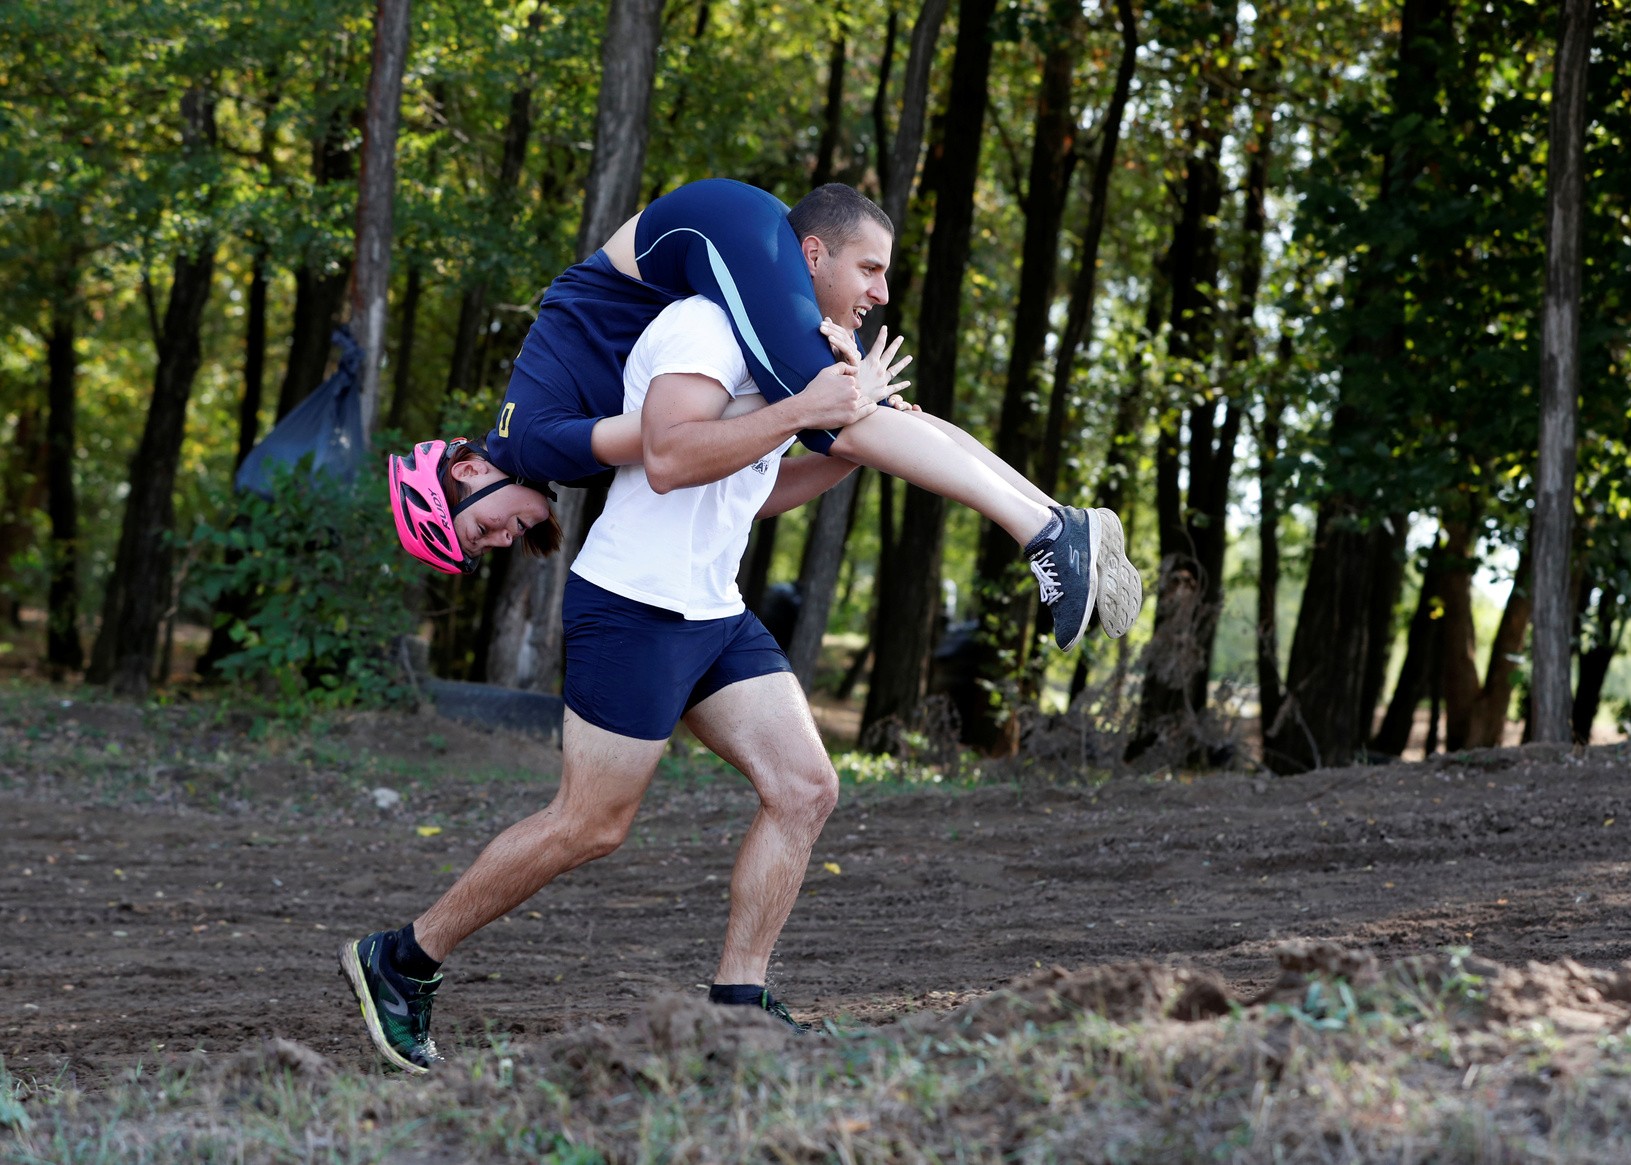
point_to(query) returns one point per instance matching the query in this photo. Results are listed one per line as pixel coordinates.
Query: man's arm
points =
(802, 478)
(685, 443)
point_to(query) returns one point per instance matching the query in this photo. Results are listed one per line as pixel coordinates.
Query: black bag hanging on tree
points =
(327, 425)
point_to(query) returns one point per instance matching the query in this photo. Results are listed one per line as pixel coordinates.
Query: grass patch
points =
(1405, 1067)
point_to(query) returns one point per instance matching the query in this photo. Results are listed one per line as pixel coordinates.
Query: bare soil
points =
(168, 882)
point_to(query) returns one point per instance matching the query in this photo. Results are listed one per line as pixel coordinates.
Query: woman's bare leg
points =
(939, 457)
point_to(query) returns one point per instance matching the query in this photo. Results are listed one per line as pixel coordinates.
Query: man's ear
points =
(814, 249)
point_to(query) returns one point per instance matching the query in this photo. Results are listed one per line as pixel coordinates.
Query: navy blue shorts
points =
(716, 237)
(635, 669)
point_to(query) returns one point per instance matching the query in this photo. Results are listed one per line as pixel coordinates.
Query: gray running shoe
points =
(395, 1008)
(1121, 590)
(1065, 571)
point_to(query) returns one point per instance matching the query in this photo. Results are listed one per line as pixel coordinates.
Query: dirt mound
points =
(1122, 992)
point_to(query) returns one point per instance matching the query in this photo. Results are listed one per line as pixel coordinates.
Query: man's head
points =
(847, 242)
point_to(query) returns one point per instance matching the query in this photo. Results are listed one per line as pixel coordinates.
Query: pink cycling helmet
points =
(424, 520)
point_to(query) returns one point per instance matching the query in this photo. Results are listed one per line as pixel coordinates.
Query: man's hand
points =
(876, 373)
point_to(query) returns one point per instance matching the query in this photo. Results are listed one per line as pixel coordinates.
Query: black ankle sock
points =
(410, 958)
(736, 993)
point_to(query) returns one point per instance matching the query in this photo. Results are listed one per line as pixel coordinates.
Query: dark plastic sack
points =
(327, 425)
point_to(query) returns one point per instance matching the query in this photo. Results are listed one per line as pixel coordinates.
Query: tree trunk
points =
(1489, 712)
(1005, 607)
(318, 302)
(471, 332)
(63, 649)
(1084, 287)
(903, 640)
(376, 196)
(407, 326)
(1192, 534)
(756, 571)
(1331, 667)
(22, 490)
(1269, 692)
(1460, 665)
(139, 589)
(1560, 374)
(1421, 650)
(1594, 662)
(832, 113)
(530, 609)
(830, 529)
(232, 605)
(319, 286)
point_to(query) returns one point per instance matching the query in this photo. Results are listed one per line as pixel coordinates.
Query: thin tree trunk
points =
(371, 276)
(63, 649)
(530, 609)
(1084, 287)
(139, 589)
(1489, 712)
(1269, 694)
(756, 572)
(835, 512)
(1560, 374)
(903, 640)
(407, 326)
(1460, 662)
(832, 114)
(1594, 663)
(1420, 650)
(319, 286)
(1006, 608)
(1192, 533)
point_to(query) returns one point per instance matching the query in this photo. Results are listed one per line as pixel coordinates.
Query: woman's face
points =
(499, 519)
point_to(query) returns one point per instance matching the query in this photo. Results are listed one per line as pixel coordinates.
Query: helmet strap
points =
(481, 493)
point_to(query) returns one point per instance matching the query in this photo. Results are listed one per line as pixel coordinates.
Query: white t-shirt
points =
(680, 550)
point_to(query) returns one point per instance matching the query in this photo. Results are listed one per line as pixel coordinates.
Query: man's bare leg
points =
(763, 727)
(942, 459)
(603, 778)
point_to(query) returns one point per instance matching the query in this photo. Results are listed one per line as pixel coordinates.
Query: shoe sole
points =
(351, 968)
(1121, 589)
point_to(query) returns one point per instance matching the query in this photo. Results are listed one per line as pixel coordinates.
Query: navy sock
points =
(1047, 534)
(409, 958)
(737, 993)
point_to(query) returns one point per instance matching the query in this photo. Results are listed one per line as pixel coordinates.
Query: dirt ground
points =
(167, 883)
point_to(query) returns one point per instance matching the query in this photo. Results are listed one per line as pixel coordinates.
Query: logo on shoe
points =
(390, 998)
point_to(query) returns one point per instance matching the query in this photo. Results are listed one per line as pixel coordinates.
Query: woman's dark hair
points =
(541, 540)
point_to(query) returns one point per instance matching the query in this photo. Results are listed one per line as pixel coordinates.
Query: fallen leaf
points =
(428, 830)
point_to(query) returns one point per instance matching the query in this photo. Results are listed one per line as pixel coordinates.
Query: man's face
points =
(849, 283)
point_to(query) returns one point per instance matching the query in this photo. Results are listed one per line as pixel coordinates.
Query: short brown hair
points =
(541, 540)
(834, 213)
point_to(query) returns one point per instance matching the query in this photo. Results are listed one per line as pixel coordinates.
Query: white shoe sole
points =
(1121, 590)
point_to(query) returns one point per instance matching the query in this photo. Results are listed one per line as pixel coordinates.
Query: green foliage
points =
(322, 574)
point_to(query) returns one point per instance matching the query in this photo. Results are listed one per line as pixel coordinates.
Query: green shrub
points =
(325, 588)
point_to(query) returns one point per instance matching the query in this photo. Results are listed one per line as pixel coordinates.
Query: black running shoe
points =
(1065, 572)
(767, 1003)
(395, 1008)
